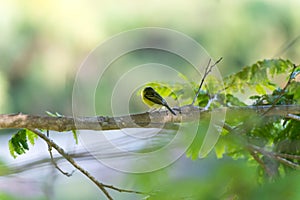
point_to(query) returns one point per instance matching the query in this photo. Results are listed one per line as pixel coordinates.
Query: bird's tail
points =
(170, 109)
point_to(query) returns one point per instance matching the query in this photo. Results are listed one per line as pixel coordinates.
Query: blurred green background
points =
(44, 42)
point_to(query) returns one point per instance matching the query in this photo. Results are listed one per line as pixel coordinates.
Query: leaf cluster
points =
(272, 134)
(18, 144)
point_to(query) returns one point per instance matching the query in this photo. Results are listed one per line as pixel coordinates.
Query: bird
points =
(152, 98)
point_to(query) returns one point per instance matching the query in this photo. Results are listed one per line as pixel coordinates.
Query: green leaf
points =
(220, 150)
(255, 97)
(31, 136)
(50, 114)
(233, 101)
(294, 89)
(18, 144)
(194, 149)
(271, 86)
(75, 136)
(56, 114)
(259, 89)
(11, 149)
(257, 74)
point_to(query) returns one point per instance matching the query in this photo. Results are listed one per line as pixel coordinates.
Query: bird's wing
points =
(156, 98)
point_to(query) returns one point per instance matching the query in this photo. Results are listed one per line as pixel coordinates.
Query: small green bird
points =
(152, 98)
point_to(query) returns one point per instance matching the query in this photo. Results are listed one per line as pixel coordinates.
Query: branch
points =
(55, 164)
(41, 162)
(101, 186)
(207, 71)
(277, 156)
(261, 163)
(255, 150)
(71, 161)
(157, 119)
(294, 117)
(287, 162)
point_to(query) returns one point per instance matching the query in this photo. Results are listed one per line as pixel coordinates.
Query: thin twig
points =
(61, 151)
(208, 69)
(277, 156)
(202, 81)
(124, 190)
(55, 164)
(287, 162)
(71, 161)
(294, 117)
(227, 127)
(282, 91)
(210, 102)
(290, 156)
(260, 162)
(53, 161)
(253, 150)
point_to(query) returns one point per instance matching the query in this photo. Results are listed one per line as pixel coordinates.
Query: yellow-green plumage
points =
(152, 98)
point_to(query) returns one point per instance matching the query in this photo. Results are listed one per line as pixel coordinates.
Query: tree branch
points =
(71, 161)
(277, 156)
(294, 117)
(61, 151)
(55, 164)
(157, 119)
(260, 162)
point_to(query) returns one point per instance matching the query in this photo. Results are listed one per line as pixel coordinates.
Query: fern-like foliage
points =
(18, 144)
(258, 76)
(274, 134)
